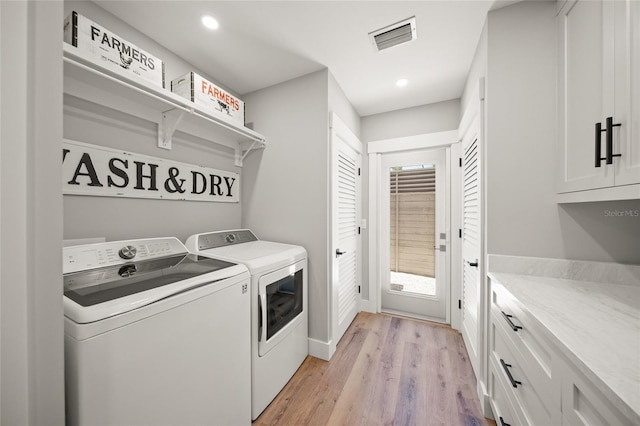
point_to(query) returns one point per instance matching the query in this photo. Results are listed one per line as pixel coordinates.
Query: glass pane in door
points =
(413, 229)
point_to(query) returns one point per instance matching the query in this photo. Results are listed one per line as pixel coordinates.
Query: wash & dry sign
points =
(99, 171)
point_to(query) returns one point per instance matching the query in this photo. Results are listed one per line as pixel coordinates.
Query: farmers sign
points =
(98, 171)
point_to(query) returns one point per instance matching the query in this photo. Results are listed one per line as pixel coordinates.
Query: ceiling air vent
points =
(395, 34)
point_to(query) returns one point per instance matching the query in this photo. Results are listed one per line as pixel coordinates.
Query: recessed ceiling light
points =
(402, 82)
(210, 22)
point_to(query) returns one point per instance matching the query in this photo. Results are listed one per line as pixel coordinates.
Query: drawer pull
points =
(506, 366)
(503, 423)
(511, 324)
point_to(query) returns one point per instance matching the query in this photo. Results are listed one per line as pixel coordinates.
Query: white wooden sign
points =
(94, 170)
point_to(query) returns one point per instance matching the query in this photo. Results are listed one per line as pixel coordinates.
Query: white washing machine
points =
(279, 307)
(155, 335)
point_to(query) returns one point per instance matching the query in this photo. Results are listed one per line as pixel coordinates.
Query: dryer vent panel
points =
(395, 34)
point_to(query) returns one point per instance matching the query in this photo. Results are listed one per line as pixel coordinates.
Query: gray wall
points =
(413, 121)
(285, 186)
(31, 323)
(121, 218)
(339, 104)
(522, 213)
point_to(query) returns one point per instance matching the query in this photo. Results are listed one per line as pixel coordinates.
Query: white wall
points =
(122, 218)
(285, 186)
(31, 325)
(523, 217)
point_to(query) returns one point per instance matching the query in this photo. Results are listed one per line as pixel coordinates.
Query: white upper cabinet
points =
(598, 100)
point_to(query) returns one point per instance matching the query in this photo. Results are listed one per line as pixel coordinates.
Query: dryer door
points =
(280, 305)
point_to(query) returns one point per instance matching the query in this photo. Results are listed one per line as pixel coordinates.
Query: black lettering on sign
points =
(64, 153)
(173, 184)
(140, 176)
(116, 43)
(229, 185)
(120, 172)
(85, 161)
(105, 39)
(196, 187)
(216, 181)
(95, 32)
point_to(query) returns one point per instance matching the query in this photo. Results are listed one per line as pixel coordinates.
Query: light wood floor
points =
(387, 370)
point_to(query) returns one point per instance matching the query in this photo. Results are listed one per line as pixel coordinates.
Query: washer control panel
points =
(91, 256)
(128, 252)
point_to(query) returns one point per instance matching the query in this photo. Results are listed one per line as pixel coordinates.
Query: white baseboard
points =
(368, 306)
(320, 349)
(485, 400)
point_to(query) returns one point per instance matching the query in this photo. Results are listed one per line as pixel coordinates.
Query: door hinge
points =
(358, 171)
(459, 304)
(460, 161)
(460, 233)
(358, 230)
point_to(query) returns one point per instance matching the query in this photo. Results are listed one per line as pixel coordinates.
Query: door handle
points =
(339, 253)
(474, 264)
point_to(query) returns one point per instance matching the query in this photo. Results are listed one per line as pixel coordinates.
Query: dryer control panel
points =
(224, 238)
(91, 256)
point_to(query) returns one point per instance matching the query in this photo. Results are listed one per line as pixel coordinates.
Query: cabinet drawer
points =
(504, 411)
(530, 347)
(531, 398)
(584, 404)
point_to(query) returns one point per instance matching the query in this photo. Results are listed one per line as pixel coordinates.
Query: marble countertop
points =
(595, 324)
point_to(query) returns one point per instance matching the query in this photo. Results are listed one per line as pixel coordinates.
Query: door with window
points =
(414, 234)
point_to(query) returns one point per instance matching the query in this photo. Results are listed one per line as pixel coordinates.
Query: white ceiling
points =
(262, 43)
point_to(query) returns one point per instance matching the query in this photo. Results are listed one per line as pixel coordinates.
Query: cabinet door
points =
(627, 92)
(585, 92)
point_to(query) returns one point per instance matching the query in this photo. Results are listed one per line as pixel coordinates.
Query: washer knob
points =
(127, 252)
(230, 238)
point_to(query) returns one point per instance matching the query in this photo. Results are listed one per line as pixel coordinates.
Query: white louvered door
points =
(345, 247)
(471, 241)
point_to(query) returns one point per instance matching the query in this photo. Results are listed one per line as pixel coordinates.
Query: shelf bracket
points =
(241, 152)
(167, 126)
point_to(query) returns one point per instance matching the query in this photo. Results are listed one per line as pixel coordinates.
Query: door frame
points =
(375, 149)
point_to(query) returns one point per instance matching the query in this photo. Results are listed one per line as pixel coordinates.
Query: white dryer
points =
(155, 335)
(279, 307)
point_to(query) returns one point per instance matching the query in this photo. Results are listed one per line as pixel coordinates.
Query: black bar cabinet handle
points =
(599, 131)
(506, 366)
(609, 131)
(511, 324)
(503, 423)
(474, 264)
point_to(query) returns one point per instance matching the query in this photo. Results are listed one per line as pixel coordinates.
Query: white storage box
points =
(209, 97)
(110, 51)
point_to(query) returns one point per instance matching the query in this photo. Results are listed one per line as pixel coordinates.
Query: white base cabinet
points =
(530, 381)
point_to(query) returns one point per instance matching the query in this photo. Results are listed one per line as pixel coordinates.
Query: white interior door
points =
(345, 259)
(471, 241)
(414, 235)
